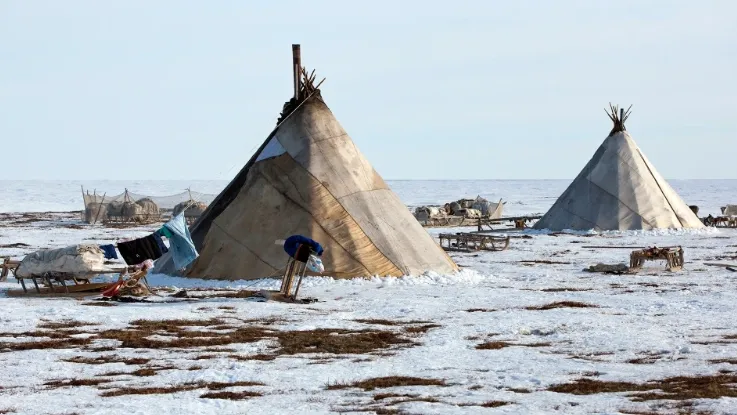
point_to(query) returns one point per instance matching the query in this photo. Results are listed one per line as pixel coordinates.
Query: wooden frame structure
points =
(520, 222)
(673, 255)
(472, 242)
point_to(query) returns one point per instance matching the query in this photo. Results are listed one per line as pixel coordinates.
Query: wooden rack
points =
(673, 255)
(471, 242)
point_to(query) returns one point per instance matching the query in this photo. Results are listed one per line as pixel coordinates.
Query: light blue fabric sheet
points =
(181, 247)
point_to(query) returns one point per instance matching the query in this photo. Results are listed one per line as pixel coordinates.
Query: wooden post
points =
(99, 207)
(297, 69)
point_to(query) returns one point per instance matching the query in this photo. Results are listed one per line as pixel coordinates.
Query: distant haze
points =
(166, 90)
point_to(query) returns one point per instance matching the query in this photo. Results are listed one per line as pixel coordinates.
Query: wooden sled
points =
(472, 242)
(72, 284)
(76, 290)
(7, 267)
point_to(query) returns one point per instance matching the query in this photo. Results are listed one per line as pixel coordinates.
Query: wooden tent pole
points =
(99, 207)
(297, 69)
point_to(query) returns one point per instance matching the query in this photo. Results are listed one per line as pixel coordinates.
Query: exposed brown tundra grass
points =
(388, 382)
(101, 360)
(673, 388)
(562, 304)
(63, 383)
(338, 341)
(233, 396)
(63, 324)
(496, 345)
(158, 390)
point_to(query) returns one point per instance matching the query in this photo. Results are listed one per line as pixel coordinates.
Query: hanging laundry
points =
(109, 251)
(138, 250)
(160, 242)
(182, 249)
(163, 231)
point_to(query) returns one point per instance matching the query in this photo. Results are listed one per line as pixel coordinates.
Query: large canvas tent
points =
(309, 178)
(619, 189)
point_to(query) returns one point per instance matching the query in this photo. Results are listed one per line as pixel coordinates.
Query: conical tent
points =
(619, 189)
(309, 178)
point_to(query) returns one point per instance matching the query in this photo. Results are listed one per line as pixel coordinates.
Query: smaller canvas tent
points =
(619, 189)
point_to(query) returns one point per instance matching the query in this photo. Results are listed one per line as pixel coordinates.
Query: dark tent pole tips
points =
(297, 69)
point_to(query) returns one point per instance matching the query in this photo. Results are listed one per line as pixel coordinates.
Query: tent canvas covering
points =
(619, 189)
(309, 178)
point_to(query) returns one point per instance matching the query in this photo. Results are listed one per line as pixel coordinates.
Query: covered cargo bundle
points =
(75, 259)
(729, 210)
(190, 209)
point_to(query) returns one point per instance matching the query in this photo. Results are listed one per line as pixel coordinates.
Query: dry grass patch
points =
(139, 336)
(487, 404)
(338, 341)
(384, 322)
(562, 304)
(500, 344)
(63, 324)
(233, 396)
(674, 388)
(67, 343)
(380, 396)
(519, 390)
(223, 385)
(175, 324)
(158, 390)
(480, 310)
(730, 361)
(494, 345)
(101, 360)
(64, 383)
(421, 329)
(388, 382)
(143, 372)
(379, 321)
(261, 357)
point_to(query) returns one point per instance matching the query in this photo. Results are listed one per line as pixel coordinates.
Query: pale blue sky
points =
(427, 89)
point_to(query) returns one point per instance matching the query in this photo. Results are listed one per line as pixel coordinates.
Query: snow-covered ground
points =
(640, 328)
